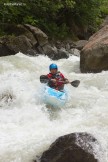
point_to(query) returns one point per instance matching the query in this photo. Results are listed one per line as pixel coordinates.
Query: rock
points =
(74, 147)
(58, 44)
(19, 44)
(5, 51)
(32, 41)
(12, 45)
(34, 160)
(26, 39)
(18, 30)
(67, 47)
(65, 44)
(32, 52)
(94, 55)
(10, 29)
(49, 51)
(39, 35)
(53, 52)
(80, 44)
(75, 52)
(62, 53)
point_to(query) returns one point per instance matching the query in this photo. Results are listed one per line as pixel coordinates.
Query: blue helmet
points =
(53, 66)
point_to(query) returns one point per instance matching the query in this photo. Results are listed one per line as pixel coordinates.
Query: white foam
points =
(27, 127)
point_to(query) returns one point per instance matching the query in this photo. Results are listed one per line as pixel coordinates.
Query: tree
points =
(55, 17)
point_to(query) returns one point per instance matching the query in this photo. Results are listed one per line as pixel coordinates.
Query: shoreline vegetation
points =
(60, 20)
(56, 29)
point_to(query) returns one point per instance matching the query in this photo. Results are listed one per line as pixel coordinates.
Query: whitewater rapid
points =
(28, 127)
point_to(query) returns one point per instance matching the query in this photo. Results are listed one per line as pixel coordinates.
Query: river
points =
(28, 127)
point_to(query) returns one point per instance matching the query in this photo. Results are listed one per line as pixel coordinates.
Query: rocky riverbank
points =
(32, 41)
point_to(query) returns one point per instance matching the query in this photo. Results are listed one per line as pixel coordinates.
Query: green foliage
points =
(55, 17)
(55, 31)
(86, 12)
(104, 8)
(30, 20)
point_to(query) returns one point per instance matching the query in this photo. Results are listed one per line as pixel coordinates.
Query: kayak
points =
(54, 97)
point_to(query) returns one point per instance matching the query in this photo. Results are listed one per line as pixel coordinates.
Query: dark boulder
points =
(75, 147)
(5, 51)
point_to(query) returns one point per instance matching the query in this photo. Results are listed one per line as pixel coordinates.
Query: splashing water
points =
(28, 127)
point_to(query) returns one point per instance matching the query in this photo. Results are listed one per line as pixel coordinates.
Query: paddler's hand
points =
(54, 80)
(66, 81)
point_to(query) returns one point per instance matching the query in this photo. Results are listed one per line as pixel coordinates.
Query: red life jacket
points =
(58, 76)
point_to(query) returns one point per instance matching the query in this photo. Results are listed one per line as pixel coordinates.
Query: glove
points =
(54, 80)
(67, 81)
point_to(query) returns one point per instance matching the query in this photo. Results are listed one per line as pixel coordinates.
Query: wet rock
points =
(80, 44)
(64, 44)
(32, 52)
(75, 147)
(62, 53)
(53, 52)
(50, 51)
(94, 55)
(75, 52)
(6, 98)
(10, 45)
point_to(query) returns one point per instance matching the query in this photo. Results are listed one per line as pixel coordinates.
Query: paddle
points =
(75, 83)
(45, 79)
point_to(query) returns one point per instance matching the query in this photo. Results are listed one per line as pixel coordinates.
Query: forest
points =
(57, 18)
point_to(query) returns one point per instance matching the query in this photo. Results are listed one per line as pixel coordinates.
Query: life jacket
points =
(59, 77)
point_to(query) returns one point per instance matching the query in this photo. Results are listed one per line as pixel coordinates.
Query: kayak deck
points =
(54, 97)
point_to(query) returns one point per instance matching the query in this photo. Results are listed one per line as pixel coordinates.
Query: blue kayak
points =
(54, 97)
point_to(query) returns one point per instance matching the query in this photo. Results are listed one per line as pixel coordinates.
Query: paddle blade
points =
(75, 83)
(44, 79)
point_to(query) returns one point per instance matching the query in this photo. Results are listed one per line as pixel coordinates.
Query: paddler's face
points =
(53, 71)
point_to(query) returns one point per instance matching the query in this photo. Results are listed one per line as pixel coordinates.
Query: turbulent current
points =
(28, 127)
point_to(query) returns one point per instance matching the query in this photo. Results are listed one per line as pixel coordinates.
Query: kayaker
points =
(56, 78)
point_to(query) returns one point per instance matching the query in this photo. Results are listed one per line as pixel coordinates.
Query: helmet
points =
(53, 66)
